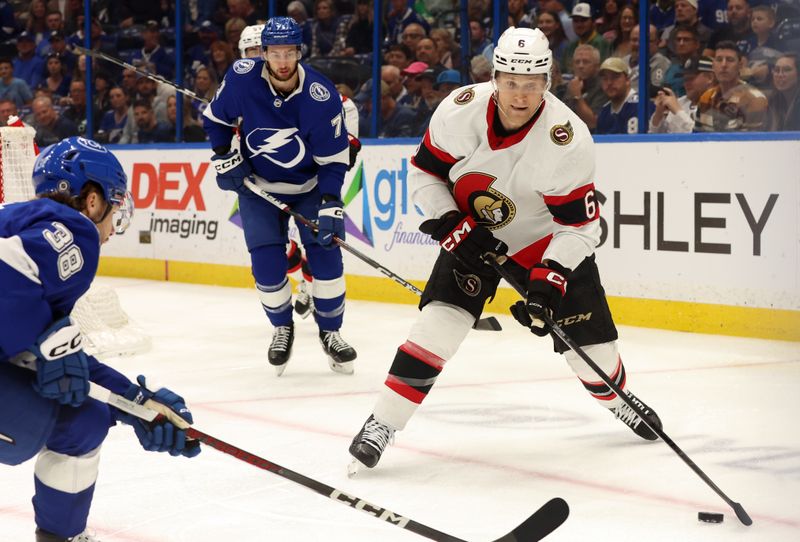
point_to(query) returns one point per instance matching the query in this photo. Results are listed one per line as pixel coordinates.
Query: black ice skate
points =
(340, 354)
(369, 444)
(630, 418)
(45, 536)
(304, 303)
(281, 347)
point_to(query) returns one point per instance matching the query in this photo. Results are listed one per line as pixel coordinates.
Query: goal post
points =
(17, 155)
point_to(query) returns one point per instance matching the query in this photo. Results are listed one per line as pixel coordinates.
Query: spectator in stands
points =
(730, 105)
(765, 47)
(233, 31)
(71, 10)
(396, 120)
(392, 77)
(147, 90)
(13, 88)
(114, 120)
(686, 14)
(583, 24)
(411, 36)
(662, 13)
(762, 23)
(102, 84)
(608, 21)
(737, 29)
(58, 45)
(28, 66)
(618, 115)
(550, 25)
(7, 109)
(399, 17)
(57, 80)
(205, 85)
(76, 107)
(584, 94)
(128, 82)
(446, 47)
(426, 52)
(481, 69)
(152, 52)
(784, 105)
(518, 16)
(244, 9)
(359, 33)
(429, 99)
(621, 42)
(558, 87)
(687, 46)
(8, 23)
(148, 129)
(50, 126)
(192, 131)
(413, 84)
(221, 59)
(198, 54)
(55, 23)
(399, 55)
(328, 30)
(36, 24)
(659, 64)
(557, 7)
(674, 114)
(447, 82)
(478, 40)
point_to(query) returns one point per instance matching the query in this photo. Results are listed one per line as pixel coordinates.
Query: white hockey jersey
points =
(534, 189)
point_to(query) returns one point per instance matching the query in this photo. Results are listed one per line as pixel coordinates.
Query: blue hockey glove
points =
(331, 222)
(458, 233)
(547, 285)
(62, 369)
(232, 170)
(160, 435)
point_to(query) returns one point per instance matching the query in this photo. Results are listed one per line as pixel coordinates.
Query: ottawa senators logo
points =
(562, 134)
(489, 207)
(464, 97)
(468, 283)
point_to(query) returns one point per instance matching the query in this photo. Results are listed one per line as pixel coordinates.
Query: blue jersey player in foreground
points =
(49, 251)
(293, 145)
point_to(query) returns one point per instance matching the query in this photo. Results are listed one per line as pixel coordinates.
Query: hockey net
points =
(107, 329)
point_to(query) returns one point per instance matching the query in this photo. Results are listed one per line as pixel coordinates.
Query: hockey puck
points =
(709, 517)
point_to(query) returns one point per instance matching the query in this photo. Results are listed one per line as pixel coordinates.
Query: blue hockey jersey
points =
(294, 142)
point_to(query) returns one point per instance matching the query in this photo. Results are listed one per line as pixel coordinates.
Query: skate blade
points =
(280, 368)
(345, 368)
(354, 467)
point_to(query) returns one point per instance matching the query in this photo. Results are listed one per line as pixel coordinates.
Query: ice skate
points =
(44, 536)
(369, 444)
(304, 303)
(340, 354)
(281, 347)
(630, 418)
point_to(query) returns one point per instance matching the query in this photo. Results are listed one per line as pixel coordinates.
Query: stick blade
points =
(541, 523)
(488, 324)
(743, 516)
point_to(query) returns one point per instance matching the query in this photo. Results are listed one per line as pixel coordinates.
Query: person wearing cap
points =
(13, 88)
(396, 120)
(737, 29)
(618, 115)
(685, 14)
(447, 82)
(58, 45)
(659, 64)
(429, 99)
(412, 84)
(28, 66)
(504, 169)
(583, 25)
(198, 54)
(677, 114)
(55, 23)
(152, 52)
(731, 105)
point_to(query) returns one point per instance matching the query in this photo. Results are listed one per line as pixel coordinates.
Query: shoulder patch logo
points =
(319, 92)
(562, 134)
(243, 65)
(464, 97)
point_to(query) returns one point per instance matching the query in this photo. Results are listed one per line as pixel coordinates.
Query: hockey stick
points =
(496, 263)
(489, 323)
(541, 523)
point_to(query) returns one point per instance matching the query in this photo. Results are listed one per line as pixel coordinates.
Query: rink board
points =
(705, 240)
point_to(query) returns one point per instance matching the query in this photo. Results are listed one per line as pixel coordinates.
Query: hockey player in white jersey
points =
(504, 168)
(49, 252)
(294, 145)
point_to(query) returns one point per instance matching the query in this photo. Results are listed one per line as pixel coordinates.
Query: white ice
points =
(506, 428)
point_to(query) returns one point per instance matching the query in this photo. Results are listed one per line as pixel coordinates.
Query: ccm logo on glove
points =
(460, 232)
(226, 165)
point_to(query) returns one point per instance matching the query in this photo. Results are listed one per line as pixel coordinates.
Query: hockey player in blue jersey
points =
(293, 144)
(49, 250)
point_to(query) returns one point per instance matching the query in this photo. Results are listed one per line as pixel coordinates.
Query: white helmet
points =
(250, 37)
(523, 51)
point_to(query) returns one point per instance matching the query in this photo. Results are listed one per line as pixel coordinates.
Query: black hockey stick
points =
(489, 323)
(541, 523)
(496, 263)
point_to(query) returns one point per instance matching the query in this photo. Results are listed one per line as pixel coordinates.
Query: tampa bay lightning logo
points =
(319, 92)
(244, 65)
(281, 146)
(89, 144)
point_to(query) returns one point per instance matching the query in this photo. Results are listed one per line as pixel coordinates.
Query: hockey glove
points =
(458, 233)
(62, 368)
(547, 284)
(160, 435)
(355, 148)
(232, 170)
(331, 221)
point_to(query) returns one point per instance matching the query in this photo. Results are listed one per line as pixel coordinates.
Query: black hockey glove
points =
(355, 148)
(547, 284)
(232, 170)
(458, 233)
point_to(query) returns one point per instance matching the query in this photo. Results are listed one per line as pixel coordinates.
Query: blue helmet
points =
(281, 31)
(69, 164)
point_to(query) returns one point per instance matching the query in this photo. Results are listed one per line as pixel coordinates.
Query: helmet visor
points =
(123, 212)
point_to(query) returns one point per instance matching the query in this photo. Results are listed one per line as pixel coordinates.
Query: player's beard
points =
(280, 78)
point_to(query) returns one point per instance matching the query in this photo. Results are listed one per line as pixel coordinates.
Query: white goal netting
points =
(107, 329)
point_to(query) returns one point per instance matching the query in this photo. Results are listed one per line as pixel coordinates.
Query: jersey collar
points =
(301, 74)
(497, 141)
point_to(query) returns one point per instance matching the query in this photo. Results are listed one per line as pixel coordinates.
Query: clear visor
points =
(123, 211)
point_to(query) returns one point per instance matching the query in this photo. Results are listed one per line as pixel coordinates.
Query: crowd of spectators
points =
(714, 65)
